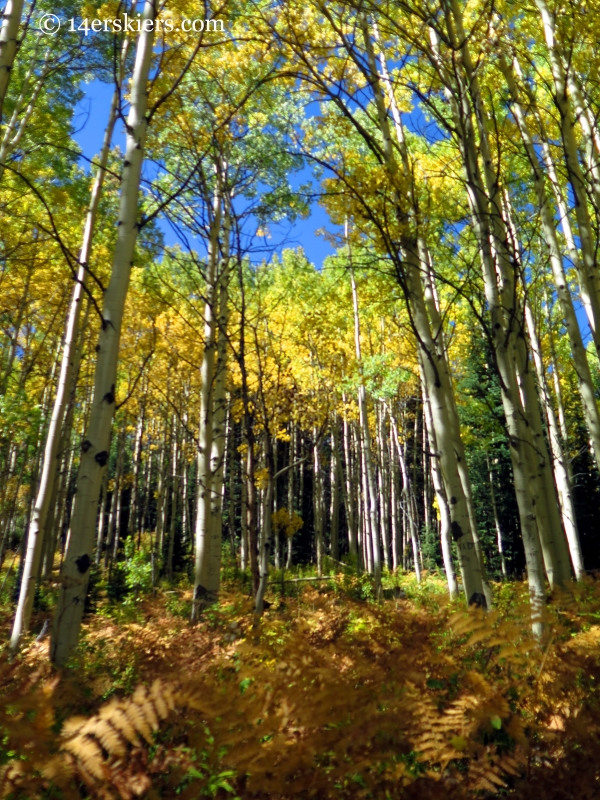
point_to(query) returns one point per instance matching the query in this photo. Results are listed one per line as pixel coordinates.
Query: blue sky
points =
(89, 122)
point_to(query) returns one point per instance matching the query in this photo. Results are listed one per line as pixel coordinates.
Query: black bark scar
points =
(456, 531)
(83, 563)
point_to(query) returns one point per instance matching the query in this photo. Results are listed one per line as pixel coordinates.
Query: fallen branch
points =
(340, 563)
(297, 580)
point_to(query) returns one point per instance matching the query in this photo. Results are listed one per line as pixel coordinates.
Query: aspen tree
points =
(334, 482)
(17, 125)
(102, 517)
(55, 529)
(9, 43)
(266, 530)
(64, 457)
(112, 540)
(287, 558)
(185, 532)
(175, 472)
(134, 502)
(161, 496)
(563, 484)
(486, 225)
(437, 327)
(557, 189)
(68, 373)
(94, 458)
(554, 546)
(249, 442)
(382, 480)
(219, 433)
(497, 524)
(394, 506)
(349, 494)
(435, 372)
(410, 506)
(587, 240)
(370, 493)
(580, 362)
(442, 501)
(506, 251)
(233, 480)
(318, 505)
(205, 437)
(244, 523)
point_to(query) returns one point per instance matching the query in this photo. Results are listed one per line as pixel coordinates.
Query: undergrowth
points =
(332, 696)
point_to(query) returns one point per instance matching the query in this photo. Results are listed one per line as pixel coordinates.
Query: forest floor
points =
(332, 695)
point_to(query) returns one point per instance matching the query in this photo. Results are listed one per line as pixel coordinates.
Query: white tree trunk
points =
(75, 572)
(175, 472)
(203, 558)
(442, 500)
(244, 554)
(580, 362)
(485, 222)
(318, 504)
(383, 476)
(219, 419)
(588, 244)
(435, 371)
(552, 538)
(561, 475)
(8, 44)
(68, 371)
(348, 494)
(497, 523)
(134, 502)
(334, 482)
(410, 505)
(370, 498)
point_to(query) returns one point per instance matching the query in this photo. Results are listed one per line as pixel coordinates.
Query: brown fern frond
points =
(88, 754)
(109, 738)
(135, 714)
(119, 720)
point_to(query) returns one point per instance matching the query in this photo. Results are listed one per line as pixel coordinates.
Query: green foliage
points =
(137, 566)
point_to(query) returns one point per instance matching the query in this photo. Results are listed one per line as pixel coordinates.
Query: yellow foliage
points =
(288, 523)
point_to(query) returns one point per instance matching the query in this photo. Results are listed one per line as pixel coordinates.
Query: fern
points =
(334, 703)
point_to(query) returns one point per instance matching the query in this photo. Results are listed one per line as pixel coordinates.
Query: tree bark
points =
(8, 45)
(318, 504)
(561, 475)
(442, 501)
(202, 578)
(68, 372)
(219, 433)
(334, 479)
(580, 362)
(75, 572)
(486, 220)
(370, 495)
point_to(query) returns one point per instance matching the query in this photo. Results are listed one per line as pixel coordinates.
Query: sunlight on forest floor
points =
(333, 696)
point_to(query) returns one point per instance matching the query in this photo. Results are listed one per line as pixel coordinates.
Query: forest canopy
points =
(273, 525)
